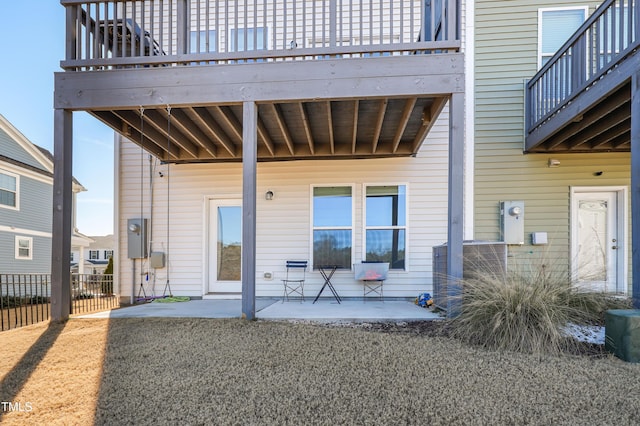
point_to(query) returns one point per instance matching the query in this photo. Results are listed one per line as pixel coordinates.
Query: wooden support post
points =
(455, 231)
(635, 189)
(62, 211)
(249, 173)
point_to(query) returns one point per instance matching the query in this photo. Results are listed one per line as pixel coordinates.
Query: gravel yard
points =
(212, 371)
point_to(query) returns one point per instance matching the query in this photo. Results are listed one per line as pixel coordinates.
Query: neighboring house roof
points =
(41, 155)
(102, 242)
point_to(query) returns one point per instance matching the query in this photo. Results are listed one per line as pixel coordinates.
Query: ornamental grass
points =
(527, 309)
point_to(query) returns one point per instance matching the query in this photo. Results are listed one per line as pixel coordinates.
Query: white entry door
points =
(225, 246)
(597, 247)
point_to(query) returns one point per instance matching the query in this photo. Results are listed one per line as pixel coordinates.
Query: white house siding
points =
(506, 56)
(283, 224)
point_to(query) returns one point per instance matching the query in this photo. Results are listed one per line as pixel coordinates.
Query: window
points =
(555, 27)
(332, 226)
(24, 248)
(71, 257)
(386, 224)
(243, 39)
(9, 184)
(108, 254)
(94, 254)
(203, 41)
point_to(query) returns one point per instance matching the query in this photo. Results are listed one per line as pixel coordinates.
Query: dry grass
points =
(204, 371)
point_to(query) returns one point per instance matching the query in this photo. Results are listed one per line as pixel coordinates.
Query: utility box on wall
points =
(512, 222)
(137, 238)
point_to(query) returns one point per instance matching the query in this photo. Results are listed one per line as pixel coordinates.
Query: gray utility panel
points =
(137, 238)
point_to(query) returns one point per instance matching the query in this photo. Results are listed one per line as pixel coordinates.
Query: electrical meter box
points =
(137, 238)
(512, 222)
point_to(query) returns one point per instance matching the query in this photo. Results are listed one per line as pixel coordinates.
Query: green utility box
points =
(622, 333)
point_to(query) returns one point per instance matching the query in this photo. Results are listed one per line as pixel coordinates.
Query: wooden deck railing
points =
(604, 40)
(132, 33)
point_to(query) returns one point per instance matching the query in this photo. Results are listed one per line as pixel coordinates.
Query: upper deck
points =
(346, 78)
(580, 101)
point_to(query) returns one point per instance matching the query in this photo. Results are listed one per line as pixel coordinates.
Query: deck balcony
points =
(580, 101)
(332, 78)
(261, 80)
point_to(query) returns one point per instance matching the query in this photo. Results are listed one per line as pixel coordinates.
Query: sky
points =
(32, 34)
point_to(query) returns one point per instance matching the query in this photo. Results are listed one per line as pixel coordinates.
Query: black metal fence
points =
(26, 298)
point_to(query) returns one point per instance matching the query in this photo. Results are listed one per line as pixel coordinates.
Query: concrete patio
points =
(324, 310)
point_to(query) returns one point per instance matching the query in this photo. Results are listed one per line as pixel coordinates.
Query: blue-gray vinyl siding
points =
(12, 149)
(39, 264)
(35, 207)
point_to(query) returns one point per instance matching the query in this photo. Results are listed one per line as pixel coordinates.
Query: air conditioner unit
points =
(479, 257)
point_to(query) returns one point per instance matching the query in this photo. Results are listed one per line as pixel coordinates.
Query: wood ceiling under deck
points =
(605, 127)
(372, 127)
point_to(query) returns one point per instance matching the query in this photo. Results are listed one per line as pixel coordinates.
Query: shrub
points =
(106, 284)
(525, 311)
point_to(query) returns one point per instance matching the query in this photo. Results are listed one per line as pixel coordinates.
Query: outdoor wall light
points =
(268, 195)
(553, 162)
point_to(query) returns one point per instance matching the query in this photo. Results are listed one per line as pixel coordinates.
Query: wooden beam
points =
(132, 133)
(404, 120)
(264, 136)
(188, 122)
(306, 126)
(382, 110)
(429, 116)
(62, 213)
(208, 135)
(354, 128)
(166, 123)
(395, 76)
(597, 130)
(332, 143)
(150, 132)
(635, 189)
(213, 129)
(455, 226)
(277, 114)
(588, 118)
(249, 173)
(226, 116)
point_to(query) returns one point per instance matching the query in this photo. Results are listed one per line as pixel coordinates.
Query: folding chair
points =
(294, 280)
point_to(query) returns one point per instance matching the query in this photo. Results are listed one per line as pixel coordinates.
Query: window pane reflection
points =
(386, 245)
(332, 247)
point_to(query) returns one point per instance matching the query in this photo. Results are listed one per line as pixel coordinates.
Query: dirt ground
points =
(207, 371)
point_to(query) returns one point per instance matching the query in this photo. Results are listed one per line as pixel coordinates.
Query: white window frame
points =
(585, 9)
(17, 178)
(365, 228)
(97, 252)
(107, 254)
(352, 228)
(29, 240)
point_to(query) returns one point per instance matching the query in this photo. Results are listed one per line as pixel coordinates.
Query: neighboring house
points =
(318, 130)
(26, 189)
(96, 256)
(565, 157)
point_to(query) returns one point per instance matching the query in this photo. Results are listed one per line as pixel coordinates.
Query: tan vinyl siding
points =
(506, 56)
(283, 224)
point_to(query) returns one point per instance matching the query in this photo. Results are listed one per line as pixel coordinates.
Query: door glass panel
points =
(592, 244)
(229, 243)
